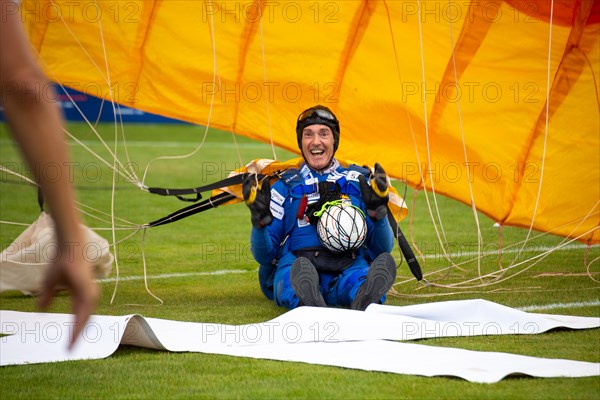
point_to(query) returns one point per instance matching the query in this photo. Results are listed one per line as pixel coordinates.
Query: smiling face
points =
(317, 146)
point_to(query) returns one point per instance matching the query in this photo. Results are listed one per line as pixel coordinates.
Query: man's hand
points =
(375, 195)
(257, 196)
(73, 272)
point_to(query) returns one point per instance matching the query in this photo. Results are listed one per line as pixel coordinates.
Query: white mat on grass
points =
(325, 336)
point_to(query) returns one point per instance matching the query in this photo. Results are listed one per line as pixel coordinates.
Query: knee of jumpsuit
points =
(284, 294)
(266, 274)
(343, 292)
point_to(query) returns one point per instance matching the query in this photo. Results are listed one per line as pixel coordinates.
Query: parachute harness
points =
(330, 195)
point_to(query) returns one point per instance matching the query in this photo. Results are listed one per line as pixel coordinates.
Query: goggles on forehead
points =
(319, 112)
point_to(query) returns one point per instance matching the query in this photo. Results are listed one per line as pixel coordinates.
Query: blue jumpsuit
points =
(273, 247)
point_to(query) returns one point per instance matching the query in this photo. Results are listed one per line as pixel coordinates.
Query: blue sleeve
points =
(264, 242)
(382, 238)
(261, 245)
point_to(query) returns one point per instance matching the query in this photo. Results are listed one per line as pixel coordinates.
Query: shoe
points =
(380, 278)
(305, 283)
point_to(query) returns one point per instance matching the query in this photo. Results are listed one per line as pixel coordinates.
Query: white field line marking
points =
(241, 271)
(554, 306)
(510, 251)
(176, 145)
(169, 144)
(176, 275)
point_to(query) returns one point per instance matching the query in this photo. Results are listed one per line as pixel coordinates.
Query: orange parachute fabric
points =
(492, 102)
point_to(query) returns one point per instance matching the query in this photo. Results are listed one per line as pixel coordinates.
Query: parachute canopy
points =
(491, 102)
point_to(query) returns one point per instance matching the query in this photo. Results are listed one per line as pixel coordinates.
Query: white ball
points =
(342, 227)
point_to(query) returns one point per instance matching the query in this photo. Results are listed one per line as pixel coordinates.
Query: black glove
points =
(257, 196)
(375, 196)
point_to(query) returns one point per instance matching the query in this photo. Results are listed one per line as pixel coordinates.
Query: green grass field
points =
(217, 240)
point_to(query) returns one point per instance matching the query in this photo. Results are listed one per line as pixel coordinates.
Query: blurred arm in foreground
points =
(37, 126)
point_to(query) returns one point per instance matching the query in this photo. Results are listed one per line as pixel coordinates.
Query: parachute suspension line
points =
(217, 77)
(590, 213)
(544, 148)
(410, 126)
(210, 109)
(389, 19)
(114, 245)
(110, 166)
(23, 177)
(237, 148)
(408, 116)
(104, 77)
(585, 263)
(126, 225)
(444, 242)
(128, 236)
(130, 171)
(417, 153)
(561, 246)
(588, 265)
(594, 80)
(411, 228)
(495, 291)
(117, 270)
(539, 257)
(464, 145)
(207, 127)
(562, 243)
(112, 102)
(124, 222)
(13, 223)
(403, 244)
(587, 60)
(99, 114)
(501, 268)
(81, 46)
(115, 158)
(144, 265)
(125, 147)
(232, 130)
(412, 131)
(113, 231)
(264, 61)
(534, 261)
(402, 205)
(547, 112)
(125, 172)
(117, 226)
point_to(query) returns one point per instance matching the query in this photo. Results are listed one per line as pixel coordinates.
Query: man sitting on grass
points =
(296, 267)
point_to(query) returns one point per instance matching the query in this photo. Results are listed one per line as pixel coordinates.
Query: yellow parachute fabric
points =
(491, 102)
(396, 204)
